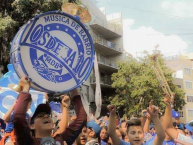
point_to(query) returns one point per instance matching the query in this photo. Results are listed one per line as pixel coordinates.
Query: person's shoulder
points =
(124, 143)
(184, 138)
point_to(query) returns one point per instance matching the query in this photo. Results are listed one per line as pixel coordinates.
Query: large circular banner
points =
(55, 51)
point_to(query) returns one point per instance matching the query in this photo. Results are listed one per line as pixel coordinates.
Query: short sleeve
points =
(184, 138)
(124, 143)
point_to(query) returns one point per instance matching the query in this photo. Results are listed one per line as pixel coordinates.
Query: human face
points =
(81, 140)
(187, 133)
(126, 139)
(103, 134)
(90, 132)
(43, 122)
(152, 130)
(135, 135)
(124, 127)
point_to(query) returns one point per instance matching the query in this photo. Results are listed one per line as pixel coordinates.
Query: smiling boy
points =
(41, 122)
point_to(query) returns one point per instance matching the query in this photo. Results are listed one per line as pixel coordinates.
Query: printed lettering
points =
(47, 19)
(51, 43)
(71, 59)
(42, 41)
(81, 31)
(77, 26)
(57, 49)
(84, 67)
(37, 33)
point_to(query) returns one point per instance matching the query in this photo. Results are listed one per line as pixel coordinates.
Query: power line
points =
(149, 11)
(173, 34)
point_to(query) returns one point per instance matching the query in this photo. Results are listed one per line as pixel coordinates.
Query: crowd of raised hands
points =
(41, 129)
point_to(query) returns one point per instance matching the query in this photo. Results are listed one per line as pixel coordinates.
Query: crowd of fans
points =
(18, 128)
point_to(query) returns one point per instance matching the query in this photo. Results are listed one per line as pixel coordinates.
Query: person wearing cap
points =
(177, 123)
(93, 132)
(41, 122)
(168, 126)
(188, 130)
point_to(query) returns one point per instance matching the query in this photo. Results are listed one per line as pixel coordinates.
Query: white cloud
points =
(146, 38)
(178, 8)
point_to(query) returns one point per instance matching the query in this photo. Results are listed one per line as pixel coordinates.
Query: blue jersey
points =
(127, 143)
(170, 142)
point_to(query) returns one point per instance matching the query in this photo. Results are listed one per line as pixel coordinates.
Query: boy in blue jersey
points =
(167, 141)
(134, 129)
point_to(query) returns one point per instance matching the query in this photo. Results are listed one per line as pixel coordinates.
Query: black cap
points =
(41, 108)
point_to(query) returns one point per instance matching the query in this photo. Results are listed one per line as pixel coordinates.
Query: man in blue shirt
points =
(167, 141)
(134, 129)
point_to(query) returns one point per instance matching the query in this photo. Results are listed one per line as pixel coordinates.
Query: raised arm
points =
(167, 122)
(147, 122)
(74, 128)
(64, 121)
(153, 111)
(7, 116)
(112, 125)
(20, 124)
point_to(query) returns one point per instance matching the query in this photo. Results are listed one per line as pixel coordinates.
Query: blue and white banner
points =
(8, 96)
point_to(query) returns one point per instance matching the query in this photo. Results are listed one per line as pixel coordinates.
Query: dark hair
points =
(133, 122)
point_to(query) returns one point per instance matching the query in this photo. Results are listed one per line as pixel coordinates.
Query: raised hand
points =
(65, 101)
(112, 109)
(146, 114)
(152, 110)
(24, 82)
(167, 100)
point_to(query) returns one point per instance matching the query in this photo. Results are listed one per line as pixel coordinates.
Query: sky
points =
(147, 23)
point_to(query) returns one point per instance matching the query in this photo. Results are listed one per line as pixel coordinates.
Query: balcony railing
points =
(109, 44)
(101, 59)
(103, 80)
(108, 25)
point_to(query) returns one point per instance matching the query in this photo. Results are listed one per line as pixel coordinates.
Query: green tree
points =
(15, 13)
(136, 85)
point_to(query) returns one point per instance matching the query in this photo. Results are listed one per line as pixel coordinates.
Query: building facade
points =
(106, 32)
(183, 67)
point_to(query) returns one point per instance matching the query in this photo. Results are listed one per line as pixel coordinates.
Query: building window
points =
(189, 98)
(181, 114)
(187, 71)
(178, 86)
(190, 112)
(189, 85)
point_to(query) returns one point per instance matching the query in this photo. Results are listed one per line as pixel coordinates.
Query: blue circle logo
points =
(55, 51)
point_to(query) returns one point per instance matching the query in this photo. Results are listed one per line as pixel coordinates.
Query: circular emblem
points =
(55, 51)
